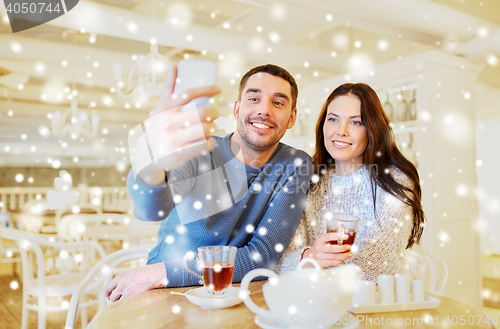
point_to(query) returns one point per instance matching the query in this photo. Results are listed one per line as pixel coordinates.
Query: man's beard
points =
(255, 142)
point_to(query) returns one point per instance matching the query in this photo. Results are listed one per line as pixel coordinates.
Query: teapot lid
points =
(318, 272)
(309, 260)
(314, 273)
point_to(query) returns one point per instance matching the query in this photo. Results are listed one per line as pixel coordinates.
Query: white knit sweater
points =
(382, 234)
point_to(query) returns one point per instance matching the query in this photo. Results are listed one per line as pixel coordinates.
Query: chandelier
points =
(147, 90)
(77, 125)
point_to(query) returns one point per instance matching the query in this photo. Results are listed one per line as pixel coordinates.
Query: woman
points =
(359, 171)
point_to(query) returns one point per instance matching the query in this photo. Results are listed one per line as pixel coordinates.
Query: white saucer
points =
(266, 323)
(201, 297)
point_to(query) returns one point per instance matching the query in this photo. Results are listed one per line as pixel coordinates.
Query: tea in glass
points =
(342, 224)
(217, 267)
(217, 276)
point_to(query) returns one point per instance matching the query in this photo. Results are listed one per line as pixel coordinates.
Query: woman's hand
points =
(327, 254)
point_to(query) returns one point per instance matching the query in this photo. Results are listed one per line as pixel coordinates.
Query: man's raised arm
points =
(168, 139)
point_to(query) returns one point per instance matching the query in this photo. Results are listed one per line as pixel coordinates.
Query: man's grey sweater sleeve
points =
(151, 203)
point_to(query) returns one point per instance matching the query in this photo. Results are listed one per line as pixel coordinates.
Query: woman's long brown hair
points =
(381, 153)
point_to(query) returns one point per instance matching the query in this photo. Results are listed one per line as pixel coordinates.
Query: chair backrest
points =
(104, 269)
(83, 209)
(435, 268)
(69, 256)
(33, 203)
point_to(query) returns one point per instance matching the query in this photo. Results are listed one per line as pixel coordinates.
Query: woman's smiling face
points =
(346, 137)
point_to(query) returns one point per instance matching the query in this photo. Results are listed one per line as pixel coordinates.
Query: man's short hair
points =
(277, 72)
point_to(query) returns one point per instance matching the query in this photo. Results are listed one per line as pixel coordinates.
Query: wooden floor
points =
(11, 306)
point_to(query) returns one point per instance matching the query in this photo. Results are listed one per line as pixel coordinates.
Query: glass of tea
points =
(342, 224)
(217, 267)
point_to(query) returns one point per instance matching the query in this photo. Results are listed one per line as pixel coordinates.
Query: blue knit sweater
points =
(220, 201)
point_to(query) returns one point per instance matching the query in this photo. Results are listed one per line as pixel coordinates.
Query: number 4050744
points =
(32, 7)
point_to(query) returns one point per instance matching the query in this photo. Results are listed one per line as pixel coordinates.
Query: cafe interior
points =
(72, 89)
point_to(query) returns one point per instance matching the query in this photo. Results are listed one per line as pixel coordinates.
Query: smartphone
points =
(192, 74)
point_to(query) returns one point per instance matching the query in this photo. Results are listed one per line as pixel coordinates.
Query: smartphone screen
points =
(192, 74)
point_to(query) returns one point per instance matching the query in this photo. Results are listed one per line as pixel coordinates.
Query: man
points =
(256, 185)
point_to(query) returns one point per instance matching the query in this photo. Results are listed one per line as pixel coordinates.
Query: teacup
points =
(217, 267)
(306, 297)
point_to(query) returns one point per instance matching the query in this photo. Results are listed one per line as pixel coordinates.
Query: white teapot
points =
(306, 297)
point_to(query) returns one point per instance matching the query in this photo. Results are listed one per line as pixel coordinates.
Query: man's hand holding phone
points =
(175, 136)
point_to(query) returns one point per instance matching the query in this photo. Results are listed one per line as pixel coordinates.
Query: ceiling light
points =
(146, 89)
(79, 123)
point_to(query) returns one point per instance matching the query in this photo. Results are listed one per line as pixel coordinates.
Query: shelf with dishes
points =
(400, 106)
(400, 103)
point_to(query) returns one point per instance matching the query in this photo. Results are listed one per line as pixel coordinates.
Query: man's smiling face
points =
(264, 112)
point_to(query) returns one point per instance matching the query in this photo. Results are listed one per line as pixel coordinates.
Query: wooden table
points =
(154, 309)
(114, 237)
(120, 232)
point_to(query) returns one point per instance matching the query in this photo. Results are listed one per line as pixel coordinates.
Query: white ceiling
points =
(292, 32)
